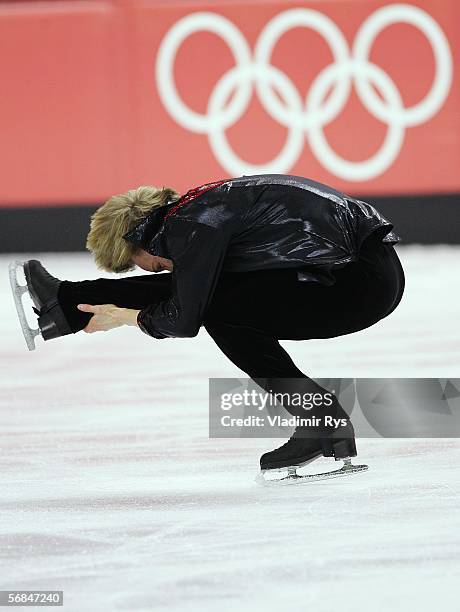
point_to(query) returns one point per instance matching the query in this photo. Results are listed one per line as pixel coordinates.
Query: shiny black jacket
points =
(249, 223)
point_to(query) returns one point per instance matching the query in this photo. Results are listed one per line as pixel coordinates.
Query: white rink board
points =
(112, 491)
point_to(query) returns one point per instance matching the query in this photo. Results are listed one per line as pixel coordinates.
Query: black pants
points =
(251, 311)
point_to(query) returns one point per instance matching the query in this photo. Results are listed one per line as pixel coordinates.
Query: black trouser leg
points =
(135, 292)
(264, 360)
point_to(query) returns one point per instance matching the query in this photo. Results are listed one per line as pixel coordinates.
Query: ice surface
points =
(112, 491)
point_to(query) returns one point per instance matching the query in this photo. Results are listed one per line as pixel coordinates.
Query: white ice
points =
(113, 492)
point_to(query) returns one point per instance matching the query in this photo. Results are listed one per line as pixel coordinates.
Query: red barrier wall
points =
(86, 110)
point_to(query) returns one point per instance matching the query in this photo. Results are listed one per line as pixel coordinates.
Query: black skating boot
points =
(43, 289)
(302, 448)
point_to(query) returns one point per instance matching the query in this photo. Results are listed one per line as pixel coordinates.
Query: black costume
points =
(258, 259)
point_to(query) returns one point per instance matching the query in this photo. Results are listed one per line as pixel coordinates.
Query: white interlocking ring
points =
(305, 117)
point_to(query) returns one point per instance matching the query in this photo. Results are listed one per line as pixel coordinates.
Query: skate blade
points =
(18, 290)
(293, 478)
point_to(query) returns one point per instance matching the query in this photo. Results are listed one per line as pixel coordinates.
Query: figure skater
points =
(254, 260)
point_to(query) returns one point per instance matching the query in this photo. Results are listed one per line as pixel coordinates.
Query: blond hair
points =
(118, 215)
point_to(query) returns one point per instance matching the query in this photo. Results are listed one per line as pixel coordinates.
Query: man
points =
(255, 260)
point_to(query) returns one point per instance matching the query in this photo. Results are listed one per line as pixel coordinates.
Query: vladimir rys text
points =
(279, 421)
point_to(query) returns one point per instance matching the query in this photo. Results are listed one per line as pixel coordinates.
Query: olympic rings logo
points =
(305, 119)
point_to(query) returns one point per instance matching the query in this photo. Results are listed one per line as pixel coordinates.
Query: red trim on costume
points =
(192, 194)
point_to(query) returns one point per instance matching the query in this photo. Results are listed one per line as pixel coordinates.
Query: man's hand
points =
(108, 316)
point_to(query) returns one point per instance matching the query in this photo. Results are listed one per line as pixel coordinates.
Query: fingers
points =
(91, 328)
(95, 309)
(102, 319)
(87, 308)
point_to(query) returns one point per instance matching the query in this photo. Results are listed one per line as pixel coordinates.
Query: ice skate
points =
(43, 290)
(280, 466)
